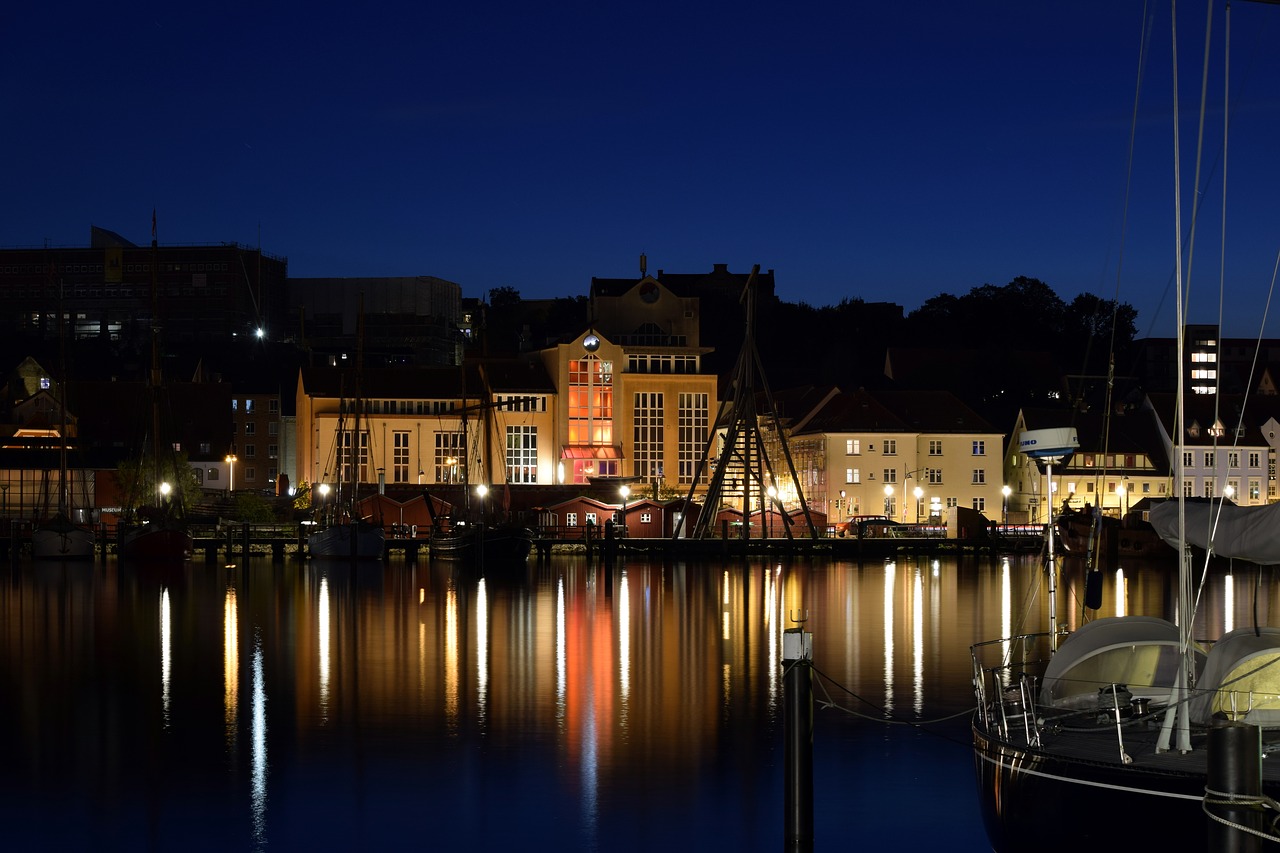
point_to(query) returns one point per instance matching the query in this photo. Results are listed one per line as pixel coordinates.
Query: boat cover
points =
(1242, 532)
(1241, 677)
(1138, 651)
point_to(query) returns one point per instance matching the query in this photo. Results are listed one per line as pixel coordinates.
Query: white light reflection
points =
(1122, 593)
(322, 628)
(561, 660)
(451, 658)
(230, 664)
(917, 641)
(890, 571)
(773, 630)
(482, 651)
(1006, 608)
(166, 639)
(1228, 603)
(724, 609)
(624, 648)
(258, 784)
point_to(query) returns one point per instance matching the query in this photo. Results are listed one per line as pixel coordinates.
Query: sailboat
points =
(1135, 730)
(158, 530)
(476, 540)
(348, 535)
(59, 537)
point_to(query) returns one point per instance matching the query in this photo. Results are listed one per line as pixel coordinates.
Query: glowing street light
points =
(919, 493)
(231, 467)
(772, 492)
(1006, 491)
(625, 491)
(888, 501)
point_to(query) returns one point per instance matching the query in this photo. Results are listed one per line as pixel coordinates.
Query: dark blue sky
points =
(885, 151)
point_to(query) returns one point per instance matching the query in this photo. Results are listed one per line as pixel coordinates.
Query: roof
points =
(896, 411)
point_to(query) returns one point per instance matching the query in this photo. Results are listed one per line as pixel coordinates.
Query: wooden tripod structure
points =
(743, 449)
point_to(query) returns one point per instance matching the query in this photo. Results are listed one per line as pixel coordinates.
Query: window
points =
(399, 456)
(447, 459)
(891, 475)
(211, 474)
(250, 451)
(1254, 461)
(979, 476)
(648, 439)
(852, 447)
(591, 518)
(1233, 459)
(249, 428)
(852, 475)
(1255, 490)
(570, 519)
(250, 474)
(248, 407)
(590, 404)
(980, 504)
(1208, 461)
(692, 434)
(273, 406)
(273, 451)
(522, 454)
(979, 448)
(933, 476)
(1187, 459)
(935, 447)
(646, 517)
(890, 447)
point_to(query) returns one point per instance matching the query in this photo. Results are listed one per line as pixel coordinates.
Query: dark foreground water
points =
(313, 706)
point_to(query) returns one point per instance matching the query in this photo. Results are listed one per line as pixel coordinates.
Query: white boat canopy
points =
(1239, 532)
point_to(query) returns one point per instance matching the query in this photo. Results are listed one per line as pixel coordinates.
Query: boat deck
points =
(1092, 736)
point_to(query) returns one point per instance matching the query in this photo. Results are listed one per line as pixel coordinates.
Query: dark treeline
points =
(997, 347)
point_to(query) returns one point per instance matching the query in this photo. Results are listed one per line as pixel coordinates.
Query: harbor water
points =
(304, 705)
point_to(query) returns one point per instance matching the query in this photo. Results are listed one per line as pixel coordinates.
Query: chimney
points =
(643, 264)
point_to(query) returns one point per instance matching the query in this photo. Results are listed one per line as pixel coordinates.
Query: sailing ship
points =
(345, 533)
(158, 530)
(58, 536)
(473, 539)
(1133, 723)
(1085, 531)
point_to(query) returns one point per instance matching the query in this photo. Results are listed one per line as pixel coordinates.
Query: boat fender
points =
(1093, 590)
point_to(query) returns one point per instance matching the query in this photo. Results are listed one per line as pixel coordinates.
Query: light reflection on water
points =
(587, 709)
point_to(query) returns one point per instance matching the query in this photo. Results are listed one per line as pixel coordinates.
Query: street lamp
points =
(231, 477)
(888, 501)
(481, 491)
(1006, 491)
(1121, 493)
(919, 493)
(164, 491)
(625, 491)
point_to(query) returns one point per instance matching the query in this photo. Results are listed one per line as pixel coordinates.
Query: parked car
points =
(864, 526)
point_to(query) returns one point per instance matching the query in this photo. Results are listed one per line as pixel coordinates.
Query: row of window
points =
(889, 447)
(932, 476)
(1210, 459)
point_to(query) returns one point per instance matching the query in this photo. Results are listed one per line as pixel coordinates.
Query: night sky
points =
(883, 151)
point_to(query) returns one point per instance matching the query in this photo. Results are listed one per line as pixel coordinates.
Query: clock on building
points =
(649, 292)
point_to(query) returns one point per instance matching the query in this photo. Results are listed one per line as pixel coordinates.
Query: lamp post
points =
(164, 492)
(1121, 495)
(625, 491)
(919, 493)
(888, 501)
(231, 475)
(481, 491)
(1005, 491)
